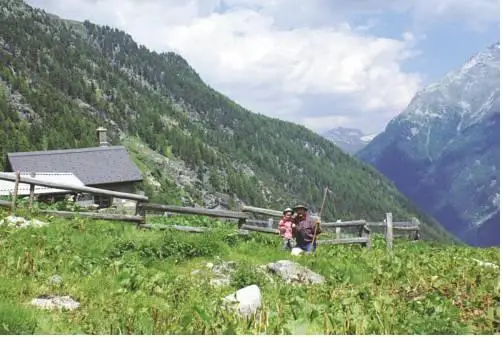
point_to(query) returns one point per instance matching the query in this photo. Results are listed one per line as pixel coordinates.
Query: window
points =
(102, 201)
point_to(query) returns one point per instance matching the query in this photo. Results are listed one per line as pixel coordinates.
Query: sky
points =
(319, 63)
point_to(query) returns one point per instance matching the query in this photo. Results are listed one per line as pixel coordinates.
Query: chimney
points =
(102, 137)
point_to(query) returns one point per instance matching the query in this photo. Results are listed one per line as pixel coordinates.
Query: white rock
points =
(55, 302)
(209, 265)
(224, 267)
(292, 272)
(246, 300)
(296, 251)
(56, 280)
(20, 222)
(485, 264)
(37, 223)
(220, 281)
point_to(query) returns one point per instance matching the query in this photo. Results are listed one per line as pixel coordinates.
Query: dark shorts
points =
(307, 246)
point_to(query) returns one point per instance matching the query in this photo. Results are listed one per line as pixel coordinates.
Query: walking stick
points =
(320, 214)
(323, 201)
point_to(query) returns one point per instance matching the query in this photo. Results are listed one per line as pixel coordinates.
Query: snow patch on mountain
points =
(349, 140)
(368, 138)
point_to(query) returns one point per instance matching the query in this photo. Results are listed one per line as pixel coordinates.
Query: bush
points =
(173, 245)
(245, 275)
(265, 239)
(15, 320)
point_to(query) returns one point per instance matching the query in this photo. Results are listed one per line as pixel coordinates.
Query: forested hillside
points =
(61, 79)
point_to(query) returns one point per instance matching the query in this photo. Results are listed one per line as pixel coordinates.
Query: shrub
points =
(246, 274)
(173, 245)
(15, 320)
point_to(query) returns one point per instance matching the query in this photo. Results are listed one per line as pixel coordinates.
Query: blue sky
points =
(450, 46)
(321, 63)
(447, 45)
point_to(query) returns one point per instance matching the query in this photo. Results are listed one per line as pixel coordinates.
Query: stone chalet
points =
(107, 167)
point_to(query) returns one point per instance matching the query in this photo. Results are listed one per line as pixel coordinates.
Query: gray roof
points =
(93, 166)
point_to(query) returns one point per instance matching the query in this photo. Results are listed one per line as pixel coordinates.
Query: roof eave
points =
(115, 182)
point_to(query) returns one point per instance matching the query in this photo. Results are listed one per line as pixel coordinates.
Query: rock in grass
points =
(220, 281)
(55, 280)
(292, 272)
(222, 272)
(486, 264)
(55, 302)
(224, 267)
(245, 301)
(296, 251)
(20, 222)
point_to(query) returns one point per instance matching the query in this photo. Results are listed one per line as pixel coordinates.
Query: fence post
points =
(416, 234)
(270, 222)
(141, 211)
(16, 189)
(388, 234)
(338, 232)
(32, 196)
(32, 191)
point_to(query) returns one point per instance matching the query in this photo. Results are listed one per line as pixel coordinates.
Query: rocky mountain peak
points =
(443, 150)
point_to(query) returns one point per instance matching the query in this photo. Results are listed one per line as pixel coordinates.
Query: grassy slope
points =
(131, 281)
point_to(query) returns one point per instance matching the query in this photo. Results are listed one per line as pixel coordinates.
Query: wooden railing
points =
(364, 232)
(243, 217)
(215, 213)
(83, 189)
(261, 211)
(411, 227)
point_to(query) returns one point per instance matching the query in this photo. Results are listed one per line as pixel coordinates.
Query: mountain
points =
(443, 150)
(62, 79)
(349, 140)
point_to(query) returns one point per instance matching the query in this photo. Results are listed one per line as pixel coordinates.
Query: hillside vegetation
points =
(60, 80)
(142, 282)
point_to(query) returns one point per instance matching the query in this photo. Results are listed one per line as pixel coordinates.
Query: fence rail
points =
(83, 189)
(260, 229)
(96, 216)
(261, 211)
(361, 240)
(194, 211)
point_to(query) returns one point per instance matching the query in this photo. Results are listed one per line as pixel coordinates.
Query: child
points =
(286, 228)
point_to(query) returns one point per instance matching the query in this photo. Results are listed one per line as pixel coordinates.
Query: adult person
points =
(305, 229)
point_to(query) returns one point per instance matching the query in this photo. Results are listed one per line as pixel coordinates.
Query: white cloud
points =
(293, 59)
(277, 71)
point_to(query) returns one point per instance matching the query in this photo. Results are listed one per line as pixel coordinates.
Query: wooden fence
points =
(363, 237)
(244, 217)
(411, 227)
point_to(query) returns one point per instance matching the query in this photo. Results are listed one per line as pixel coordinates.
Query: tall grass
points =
(139, 282)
